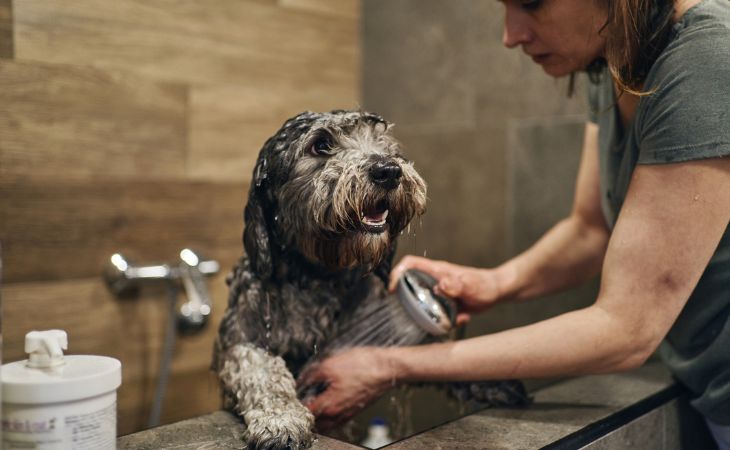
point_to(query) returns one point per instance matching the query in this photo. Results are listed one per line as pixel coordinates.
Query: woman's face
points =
(562, 36)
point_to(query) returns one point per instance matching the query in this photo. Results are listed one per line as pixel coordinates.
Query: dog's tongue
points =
(377, 218)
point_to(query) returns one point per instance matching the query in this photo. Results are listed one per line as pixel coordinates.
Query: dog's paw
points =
(285, 429)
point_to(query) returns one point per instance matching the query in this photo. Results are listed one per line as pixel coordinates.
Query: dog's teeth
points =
(377, 219)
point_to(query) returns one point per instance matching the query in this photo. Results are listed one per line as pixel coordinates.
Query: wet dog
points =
(329, 195)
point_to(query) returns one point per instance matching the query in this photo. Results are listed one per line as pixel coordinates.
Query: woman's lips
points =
(541, 59)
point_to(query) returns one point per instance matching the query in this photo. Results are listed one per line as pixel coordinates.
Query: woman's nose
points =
(516, 26)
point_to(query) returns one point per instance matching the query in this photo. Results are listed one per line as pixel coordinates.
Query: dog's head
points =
(332, 187)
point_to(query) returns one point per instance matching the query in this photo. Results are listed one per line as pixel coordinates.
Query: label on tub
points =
(58, 428)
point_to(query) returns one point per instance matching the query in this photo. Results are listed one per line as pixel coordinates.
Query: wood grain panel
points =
(83, 122)
(191, 41)
(6, 29)
(132, 126)
(188, 395)
(231, 123)
(344, 8)
(67, 229)
(131, 330)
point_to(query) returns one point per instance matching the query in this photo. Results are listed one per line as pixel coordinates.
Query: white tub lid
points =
(48, 376)
(82, 376)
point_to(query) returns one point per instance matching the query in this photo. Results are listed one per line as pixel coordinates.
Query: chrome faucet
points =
(124, 280)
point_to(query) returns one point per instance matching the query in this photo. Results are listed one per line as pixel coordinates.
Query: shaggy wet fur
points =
(314, 260)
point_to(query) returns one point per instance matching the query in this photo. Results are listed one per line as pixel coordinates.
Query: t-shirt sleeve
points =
(687, 117)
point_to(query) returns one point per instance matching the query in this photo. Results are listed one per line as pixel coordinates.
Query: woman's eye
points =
(531, 5)
(321, 146)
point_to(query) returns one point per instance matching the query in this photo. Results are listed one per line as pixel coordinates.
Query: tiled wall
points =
(497, 140)
(133, 125)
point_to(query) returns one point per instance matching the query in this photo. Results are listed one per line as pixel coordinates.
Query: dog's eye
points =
(321, 146)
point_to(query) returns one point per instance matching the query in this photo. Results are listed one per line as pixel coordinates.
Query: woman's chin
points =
(555, 65)
(557, 70)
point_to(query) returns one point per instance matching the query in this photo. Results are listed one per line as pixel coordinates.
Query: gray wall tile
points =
(465, 211)
(543, 160)
(415, 69)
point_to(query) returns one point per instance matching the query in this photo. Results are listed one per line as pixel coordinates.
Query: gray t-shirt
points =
(686, 118)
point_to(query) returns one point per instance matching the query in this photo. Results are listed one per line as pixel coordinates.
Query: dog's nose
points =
(386, 174)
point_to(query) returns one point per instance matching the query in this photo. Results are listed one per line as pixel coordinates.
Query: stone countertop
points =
(559, 411)
(215, 431)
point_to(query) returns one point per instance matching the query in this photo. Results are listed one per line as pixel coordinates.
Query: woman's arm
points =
(670, 224)
(567, 255)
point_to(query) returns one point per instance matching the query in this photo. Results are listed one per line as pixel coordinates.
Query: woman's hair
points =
(636, 33)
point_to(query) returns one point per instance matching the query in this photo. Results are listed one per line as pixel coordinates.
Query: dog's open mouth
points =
(374, 217)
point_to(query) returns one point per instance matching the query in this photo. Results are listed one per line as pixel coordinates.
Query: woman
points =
(650, 213)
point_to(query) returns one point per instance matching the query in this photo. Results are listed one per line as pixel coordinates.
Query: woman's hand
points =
(353, 378)
(473, 289)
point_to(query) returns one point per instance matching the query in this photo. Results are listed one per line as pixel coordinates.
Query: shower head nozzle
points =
(434, 313)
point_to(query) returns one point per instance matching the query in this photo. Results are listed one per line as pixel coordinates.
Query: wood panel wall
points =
(133, 126)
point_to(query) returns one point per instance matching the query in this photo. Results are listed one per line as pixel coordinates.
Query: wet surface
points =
(559, 410)
(216, 431)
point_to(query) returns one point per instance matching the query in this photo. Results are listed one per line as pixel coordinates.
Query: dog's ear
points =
(256, 231)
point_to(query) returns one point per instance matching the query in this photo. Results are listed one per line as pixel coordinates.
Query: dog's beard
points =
(360, 233)
(337, 217)
(348, 251)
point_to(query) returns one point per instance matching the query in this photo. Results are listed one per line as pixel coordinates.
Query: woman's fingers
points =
(317, 404)
(450, 287)
(462, 319)
(413, 262)
(311, 375)
(326, 422)
(353, 379)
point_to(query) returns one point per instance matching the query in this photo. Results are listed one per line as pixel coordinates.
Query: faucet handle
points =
(194, 313)
(124, 279)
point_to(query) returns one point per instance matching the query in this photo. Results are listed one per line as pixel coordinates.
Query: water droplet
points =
(261, 173)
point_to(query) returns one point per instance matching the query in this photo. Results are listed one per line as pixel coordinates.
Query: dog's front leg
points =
(263, 393)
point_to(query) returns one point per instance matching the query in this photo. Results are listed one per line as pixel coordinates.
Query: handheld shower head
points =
(434, 313)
